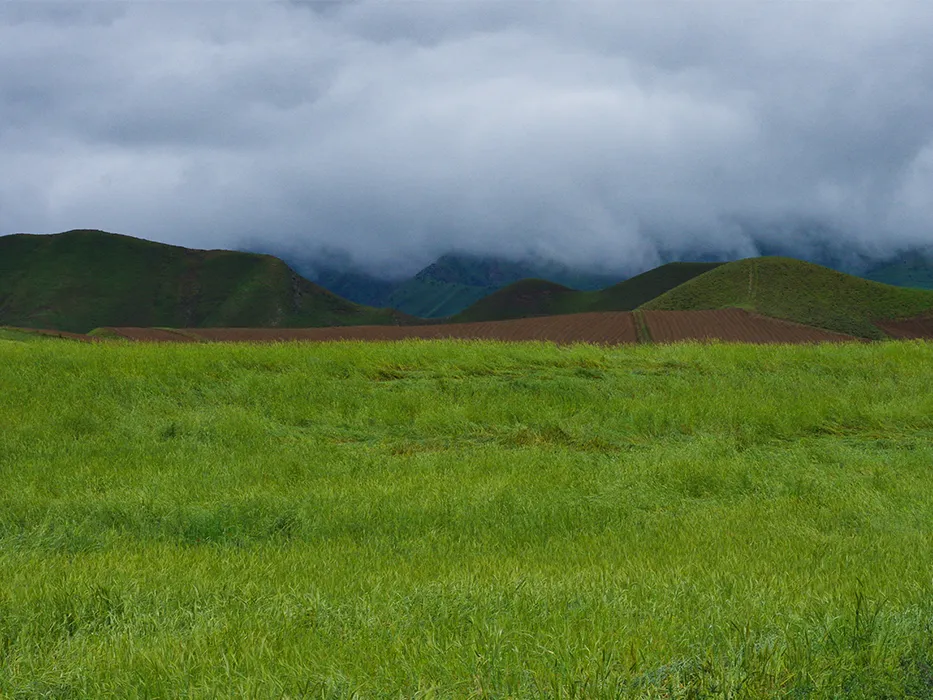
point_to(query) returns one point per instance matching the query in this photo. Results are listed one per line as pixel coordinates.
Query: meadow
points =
(443, 519)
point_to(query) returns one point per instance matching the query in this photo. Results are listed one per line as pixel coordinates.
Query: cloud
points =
(608, 134)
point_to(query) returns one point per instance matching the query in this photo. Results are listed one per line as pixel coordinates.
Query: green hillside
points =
(535, 297)
(79, 280)
(434, 299)
(19, 335)
(447, 286)
(798, 291)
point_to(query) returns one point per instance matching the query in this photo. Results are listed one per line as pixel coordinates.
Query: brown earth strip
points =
(909, 328)
(610, 328)
(734, 326)
(606, 328)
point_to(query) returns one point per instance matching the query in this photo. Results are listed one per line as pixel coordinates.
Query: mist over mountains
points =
(456, 280)
(608, 137)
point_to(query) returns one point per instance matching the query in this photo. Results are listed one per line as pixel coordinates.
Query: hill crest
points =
(543, 298)
(85, 278)
(798, 291)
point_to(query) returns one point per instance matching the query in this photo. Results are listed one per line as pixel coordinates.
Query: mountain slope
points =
(79, 280)
(535, 297)
(448, 285)
(913, 269)
(797, 291)
(355, 286)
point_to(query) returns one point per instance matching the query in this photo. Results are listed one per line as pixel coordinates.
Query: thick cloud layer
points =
(613, 134)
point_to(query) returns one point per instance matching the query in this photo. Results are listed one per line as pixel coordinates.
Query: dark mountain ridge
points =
(83, 279)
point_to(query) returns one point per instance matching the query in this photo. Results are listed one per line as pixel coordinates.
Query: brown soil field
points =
(734, 326)
(605, 328)
(610, 328)
(909, 328)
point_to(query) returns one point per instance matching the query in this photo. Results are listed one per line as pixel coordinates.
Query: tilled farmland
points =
(612, 328)
(604, 328)
(733, 325)
(910, 328)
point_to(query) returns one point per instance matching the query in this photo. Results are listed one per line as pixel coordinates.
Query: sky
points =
(614, 135)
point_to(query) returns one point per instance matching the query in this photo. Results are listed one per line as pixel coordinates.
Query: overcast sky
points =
(616, 133)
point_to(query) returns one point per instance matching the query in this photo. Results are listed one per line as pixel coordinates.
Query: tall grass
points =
(464, 519)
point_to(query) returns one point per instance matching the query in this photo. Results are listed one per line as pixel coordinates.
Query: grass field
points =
(17, 334)
(452, 519)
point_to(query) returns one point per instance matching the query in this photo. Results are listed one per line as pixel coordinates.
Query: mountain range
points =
(84, 279)
(456, 281)
(448, 285)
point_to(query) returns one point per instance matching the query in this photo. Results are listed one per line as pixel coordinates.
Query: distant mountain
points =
(80, 280)
(449, 285)
(537, 297)
(911, 269)
(355, 286)
(798, 291)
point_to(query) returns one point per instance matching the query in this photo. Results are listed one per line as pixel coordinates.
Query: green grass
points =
(17, 334)
(80, 280)
(536, 297)
(798, 291)
(453, 519)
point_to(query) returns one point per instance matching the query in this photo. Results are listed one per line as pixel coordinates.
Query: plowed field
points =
(732, 325)
(609, 328)
(917, 327)
(605, 328)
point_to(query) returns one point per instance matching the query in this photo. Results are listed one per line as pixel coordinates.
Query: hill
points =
(535, 297)
(447, 286)
(797, 291)
(83, 279)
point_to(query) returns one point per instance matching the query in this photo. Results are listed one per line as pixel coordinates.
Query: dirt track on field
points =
(735, 326)
(909, 328)
(605, 328)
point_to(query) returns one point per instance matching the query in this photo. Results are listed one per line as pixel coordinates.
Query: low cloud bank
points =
(604, 135)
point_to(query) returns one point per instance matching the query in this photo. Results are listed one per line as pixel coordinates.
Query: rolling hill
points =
(797, 291)
(536, 297)
(447, 286)
(83, 279)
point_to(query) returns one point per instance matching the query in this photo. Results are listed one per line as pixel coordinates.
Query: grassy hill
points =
(79, 280)
(535, 297)
(797, 291)
(449, 285)
(429, 298)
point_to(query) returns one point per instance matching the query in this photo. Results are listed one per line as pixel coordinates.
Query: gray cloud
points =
(615, 134)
